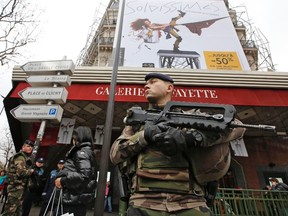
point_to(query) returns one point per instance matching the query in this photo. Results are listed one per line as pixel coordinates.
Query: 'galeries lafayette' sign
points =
(135, 93)
(139, 91)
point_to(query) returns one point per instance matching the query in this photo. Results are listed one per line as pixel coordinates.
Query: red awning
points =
(135, 93)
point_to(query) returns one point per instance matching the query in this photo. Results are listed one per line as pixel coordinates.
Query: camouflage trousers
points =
(13, 206)
(199, 211)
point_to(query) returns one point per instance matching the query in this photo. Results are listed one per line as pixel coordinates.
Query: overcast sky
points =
(65, 26)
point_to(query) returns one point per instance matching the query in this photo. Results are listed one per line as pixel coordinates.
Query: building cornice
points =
(183, 77)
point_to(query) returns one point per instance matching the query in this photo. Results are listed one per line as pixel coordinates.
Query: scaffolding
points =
(253, 38)
(86, 53)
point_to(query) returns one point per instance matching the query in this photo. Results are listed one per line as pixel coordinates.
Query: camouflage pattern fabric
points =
(198, 211)
(13, 206)
(166, 202)
(171, 183)
(18, 174)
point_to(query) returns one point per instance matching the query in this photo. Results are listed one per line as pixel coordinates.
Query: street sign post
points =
(49, 67)
(36, 113)
(44, 73)
(37, 81)
(38, 95)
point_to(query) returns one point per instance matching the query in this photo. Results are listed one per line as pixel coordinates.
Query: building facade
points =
(259, 97)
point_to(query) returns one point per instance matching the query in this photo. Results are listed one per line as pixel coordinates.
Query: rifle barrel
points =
(260, 126)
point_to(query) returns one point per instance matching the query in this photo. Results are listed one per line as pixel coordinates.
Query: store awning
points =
(135, 93)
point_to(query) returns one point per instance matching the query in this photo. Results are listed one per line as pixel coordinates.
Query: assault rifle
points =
(216, 117)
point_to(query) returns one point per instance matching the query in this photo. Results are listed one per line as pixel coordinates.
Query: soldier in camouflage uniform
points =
(169, 167)
(18, 174)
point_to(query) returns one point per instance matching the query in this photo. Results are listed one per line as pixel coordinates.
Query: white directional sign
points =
(43, 94)
(49, 67)
(36, 113)
(62, 80)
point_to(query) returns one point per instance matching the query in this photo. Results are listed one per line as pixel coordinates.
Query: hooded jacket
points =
(78, 176)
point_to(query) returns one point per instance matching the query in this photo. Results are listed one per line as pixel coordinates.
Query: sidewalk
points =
(35, 212)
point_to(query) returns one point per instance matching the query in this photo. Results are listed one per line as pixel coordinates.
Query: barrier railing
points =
(250, 202)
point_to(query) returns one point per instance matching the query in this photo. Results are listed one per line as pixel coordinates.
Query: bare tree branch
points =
(17, 27)
(7, 146)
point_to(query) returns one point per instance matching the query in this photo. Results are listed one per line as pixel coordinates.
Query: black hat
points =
(29, 142)
(61, 162)
(159, 76)
(40, 160)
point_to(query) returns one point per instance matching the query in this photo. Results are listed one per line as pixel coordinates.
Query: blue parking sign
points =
(52, 111)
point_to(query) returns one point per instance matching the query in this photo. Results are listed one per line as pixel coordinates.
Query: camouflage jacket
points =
(18, 171)
(179, 178)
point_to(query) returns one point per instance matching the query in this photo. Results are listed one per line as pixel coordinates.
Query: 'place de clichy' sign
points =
(43, 94)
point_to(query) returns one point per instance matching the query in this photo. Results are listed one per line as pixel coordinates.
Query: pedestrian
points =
(279, 190)
(108, 197)
(168, 167)
(18, 174)
(78, 177)
(278, 186)
(49, 187)
(3, 177)
(3, 188)
(35, 186)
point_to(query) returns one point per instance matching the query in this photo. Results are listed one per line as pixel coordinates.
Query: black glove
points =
(150, 130)
(175, 139)
(171, 141)
(195, 138)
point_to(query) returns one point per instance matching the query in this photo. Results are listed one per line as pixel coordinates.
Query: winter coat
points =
(78, 176)
(37, 180)
(280, 187)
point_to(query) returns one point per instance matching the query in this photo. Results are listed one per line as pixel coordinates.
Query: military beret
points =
(29, 142)
(159, 76)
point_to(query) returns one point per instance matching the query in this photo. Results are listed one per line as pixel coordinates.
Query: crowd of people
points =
(71, 185)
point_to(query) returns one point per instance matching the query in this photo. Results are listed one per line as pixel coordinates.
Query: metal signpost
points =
(104, 162)
(50, 74)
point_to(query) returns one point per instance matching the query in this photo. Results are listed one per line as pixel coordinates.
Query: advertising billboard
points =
(195, 34)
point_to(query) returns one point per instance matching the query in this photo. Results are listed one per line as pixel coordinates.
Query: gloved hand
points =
(171, 141)
(195, 138)
(174, 140)
(150, 130)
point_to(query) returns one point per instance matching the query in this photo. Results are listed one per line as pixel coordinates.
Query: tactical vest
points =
(158, 172)
(186, 172)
